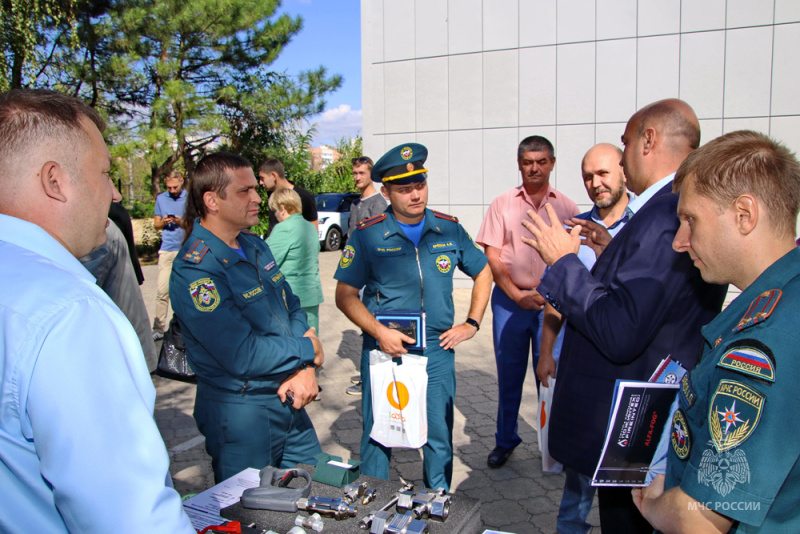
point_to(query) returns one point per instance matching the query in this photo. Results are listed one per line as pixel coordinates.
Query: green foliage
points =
(178, 78)
(142, 210)
(18, 34)
(338, 176)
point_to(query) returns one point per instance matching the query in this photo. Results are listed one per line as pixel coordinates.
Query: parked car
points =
(333, 215)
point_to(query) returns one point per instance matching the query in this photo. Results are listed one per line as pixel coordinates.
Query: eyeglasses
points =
(363, 160)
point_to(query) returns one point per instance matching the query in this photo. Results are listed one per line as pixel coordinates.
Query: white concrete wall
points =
(471, 78)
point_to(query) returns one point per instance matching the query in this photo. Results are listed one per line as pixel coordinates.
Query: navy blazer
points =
(641, 302)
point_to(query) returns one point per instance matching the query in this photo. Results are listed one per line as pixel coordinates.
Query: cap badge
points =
(406, 153)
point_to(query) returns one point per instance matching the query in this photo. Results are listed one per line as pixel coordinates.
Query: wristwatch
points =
(473, 322)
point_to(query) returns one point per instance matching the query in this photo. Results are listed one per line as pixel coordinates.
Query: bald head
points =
(603, 150)
(674, 120)
(657, 139)
(603, 176)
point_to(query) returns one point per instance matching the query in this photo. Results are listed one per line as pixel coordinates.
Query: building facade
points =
(471, 78)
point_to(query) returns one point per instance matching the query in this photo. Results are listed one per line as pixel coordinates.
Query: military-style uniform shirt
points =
(733, 445)
(399, 276)
(242, 324)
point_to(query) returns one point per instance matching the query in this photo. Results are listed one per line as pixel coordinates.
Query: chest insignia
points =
(734, 413)
(372, 220)
(760, 309)
(681, 437)
(718, 341)
(443, 264)
(252, 293)
(277, 277)
(751, 358)
(270, 266)
(196, 252)
(204, 294)
(347, 257)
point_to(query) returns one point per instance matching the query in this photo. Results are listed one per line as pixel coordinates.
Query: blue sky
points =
(331, 37)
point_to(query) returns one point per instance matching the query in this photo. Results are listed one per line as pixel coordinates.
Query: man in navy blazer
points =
(641, 302)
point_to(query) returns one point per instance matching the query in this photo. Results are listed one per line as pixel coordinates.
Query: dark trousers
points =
(619, 514)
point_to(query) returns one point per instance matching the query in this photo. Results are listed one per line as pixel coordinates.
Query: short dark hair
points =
(536, 143)
(272, 165)
(211, 174)
(30, 117)
(747, 162)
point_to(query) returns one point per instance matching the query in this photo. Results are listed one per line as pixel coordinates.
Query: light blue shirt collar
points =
(31, 237)
(594, 214)
(648, 193)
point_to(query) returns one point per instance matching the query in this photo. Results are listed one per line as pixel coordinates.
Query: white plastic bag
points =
(549, 465)
(399, 405)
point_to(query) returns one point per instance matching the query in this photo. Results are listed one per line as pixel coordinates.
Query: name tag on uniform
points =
(442, 246)
(389, 251)
(252, 293)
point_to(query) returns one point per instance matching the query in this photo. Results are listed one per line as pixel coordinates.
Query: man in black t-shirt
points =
(272, 176)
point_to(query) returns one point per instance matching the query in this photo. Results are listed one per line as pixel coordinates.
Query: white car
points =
(333, 216)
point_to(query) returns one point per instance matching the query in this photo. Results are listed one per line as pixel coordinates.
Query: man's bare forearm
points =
(481, 290)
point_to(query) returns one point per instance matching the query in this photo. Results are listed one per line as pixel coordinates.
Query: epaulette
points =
(445, 216)
(196, 252)
(372, 220)
(760, 309)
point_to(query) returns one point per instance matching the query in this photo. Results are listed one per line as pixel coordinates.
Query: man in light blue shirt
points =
(168, 217)
(79, 449)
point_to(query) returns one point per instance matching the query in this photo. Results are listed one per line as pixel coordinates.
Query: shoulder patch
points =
(372, 220)
(204, 294)
(347, 257)
(749, 357)
(445, 216)
(734, 413)
(681, 436)
(196, 252)
(760, 309)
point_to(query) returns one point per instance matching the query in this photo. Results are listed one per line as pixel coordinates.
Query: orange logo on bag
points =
(402, 395)
(543, 416)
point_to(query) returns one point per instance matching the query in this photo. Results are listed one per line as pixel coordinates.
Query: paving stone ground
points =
(515, 498)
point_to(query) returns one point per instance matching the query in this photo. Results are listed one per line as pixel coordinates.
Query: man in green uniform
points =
(247, 337)
(733, 464)
(405, 259)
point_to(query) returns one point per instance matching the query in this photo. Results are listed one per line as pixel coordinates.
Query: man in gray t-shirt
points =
(371, 201)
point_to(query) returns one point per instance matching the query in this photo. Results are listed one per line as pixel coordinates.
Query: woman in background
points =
(295, 244)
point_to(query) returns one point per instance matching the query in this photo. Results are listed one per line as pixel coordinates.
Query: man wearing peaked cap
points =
(404, 259)
(404, 164)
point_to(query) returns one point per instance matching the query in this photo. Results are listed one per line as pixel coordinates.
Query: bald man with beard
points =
(641, 302)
